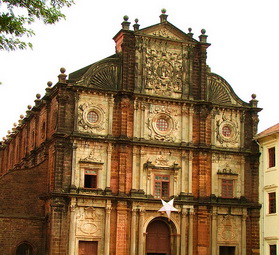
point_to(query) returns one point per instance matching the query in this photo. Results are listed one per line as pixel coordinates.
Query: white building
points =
(269, 192)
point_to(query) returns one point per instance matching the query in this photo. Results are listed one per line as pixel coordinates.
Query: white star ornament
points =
(168, 207)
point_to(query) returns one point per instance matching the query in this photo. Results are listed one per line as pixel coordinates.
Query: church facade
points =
(86, 168)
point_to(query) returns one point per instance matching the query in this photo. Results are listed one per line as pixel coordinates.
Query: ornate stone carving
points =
(98, 122)
(163, 70)
(163, 32)
(162, 123)
(90, 222)
(226, 230)
(92, 157)
(161, 161)
(227, 131)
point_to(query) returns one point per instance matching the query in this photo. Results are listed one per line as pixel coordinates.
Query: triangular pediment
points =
(166, 30)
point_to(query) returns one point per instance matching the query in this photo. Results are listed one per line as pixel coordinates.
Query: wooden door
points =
(158, 238)
(87, 248)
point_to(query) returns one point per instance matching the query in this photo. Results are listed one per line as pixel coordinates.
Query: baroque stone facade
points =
(107, 143)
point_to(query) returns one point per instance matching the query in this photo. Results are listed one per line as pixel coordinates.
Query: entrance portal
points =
(87, 248)
(227, 250)
(158, 238)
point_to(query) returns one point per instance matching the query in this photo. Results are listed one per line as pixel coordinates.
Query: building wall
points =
(268, 184)
(152, 110)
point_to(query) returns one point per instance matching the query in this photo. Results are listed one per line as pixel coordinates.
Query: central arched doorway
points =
(158, 240)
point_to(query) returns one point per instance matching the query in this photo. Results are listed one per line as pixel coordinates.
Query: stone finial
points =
(254, 102)
(190, 32)
(49, 84)
(136, 25)
(21, 119)
(163, 16)
(62, 76)
(29, 107)
(203, 36)
(38, 99)
(125, 24)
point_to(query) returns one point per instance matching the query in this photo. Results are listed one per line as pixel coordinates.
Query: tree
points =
(16, 16)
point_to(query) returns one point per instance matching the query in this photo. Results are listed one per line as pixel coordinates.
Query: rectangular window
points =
(272, 202)
(227, 188)
(272, 249)
(161, 186)
(271, 157)
(90, 179)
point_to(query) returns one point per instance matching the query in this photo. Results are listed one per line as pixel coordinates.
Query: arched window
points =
(24, 249)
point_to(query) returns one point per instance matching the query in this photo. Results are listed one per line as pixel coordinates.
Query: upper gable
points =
(167, 31)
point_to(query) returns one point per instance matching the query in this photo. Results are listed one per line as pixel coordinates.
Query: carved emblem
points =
(227, 131)
(163, 71)
(161, 161)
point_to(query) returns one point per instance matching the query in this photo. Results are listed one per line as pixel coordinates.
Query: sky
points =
(243, 35)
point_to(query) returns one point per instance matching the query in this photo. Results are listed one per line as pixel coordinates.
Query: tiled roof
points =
(272, 130)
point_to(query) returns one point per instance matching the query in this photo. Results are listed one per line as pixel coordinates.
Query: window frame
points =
(271, 157)
(274, 252)
(272, 203)
(161, 187)
(225, 193)
(91, 174)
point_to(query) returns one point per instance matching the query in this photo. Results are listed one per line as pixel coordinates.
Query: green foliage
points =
(16, 16)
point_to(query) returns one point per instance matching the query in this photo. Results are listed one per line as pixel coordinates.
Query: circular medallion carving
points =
(88, 228)
(227, 132)
(91, 117)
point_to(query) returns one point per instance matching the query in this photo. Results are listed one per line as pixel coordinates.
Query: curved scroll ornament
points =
(91, 117)
(163, 72)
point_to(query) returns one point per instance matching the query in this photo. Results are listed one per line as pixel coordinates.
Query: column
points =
(141, 233)
(190, 134)
(136, 107)
(133, 231)
(142, 122)
(184, 124)
(243, 231)
(142, 154)
(134, 170)
(110, 115)
(72, 239)
(214, 231)
(183, 231)
(242, 170)
(73, 178)
(108, 172)
(190, 173)
(184, 179)
(190, 232)
(107, 227)
(213, 126)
